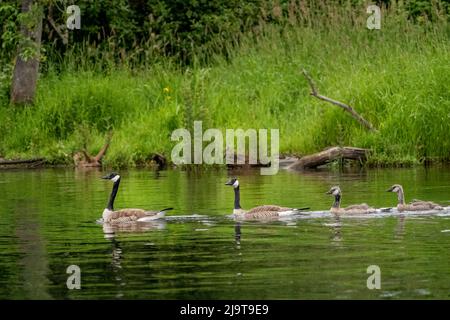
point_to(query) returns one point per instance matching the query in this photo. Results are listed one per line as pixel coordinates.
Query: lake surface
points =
(48, 222)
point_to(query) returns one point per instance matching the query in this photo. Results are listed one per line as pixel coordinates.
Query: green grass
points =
(398, 78)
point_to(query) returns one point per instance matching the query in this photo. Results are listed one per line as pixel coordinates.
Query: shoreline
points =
(285, 161)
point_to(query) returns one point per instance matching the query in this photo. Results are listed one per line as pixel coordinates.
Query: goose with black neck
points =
(260, 212)
(126, 215)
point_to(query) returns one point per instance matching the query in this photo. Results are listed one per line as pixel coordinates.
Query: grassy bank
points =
(398, 78)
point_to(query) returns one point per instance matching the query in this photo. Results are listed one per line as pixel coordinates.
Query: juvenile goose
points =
(126, 215)
(415, 205)
(353, 209)
(261, 212)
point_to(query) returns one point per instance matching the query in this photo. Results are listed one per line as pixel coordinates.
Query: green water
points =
(47, 223)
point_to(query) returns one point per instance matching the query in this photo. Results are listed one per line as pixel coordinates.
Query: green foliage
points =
(140, 31)
(396, 77)
(9, 31)
(9, 40)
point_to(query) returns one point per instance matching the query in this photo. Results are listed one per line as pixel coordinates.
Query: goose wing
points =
(126, 215)
(416, 202)
(268, 208)
(418, 205)
(261, 215)
(362, 208)
(131, 215)
(268, 212)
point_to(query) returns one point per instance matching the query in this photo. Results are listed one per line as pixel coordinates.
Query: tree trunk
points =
(25, 161)
(328, 155)
(26, 69)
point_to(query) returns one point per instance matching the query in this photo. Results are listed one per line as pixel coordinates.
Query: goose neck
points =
(237, 198)
(112, 197)
(401, 196)
(337, 201)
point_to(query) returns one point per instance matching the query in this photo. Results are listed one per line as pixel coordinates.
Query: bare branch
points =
(311, 83)
(64, 36)
(87, 156)
(105, 147)
(342, 105)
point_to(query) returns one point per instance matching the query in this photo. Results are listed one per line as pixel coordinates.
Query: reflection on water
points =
(237, 234)
(400, 228)
(116, 256)
(34, 257)
(110, 230)
(336, 229)
(48, 222)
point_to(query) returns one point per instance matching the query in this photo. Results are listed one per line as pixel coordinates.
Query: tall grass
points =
(398, 78)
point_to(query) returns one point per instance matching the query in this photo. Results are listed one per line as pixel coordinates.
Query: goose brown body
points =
(355, 209)
(415, 205)
(128, 215)
(112, 216)
(264, 212)
(260, 212)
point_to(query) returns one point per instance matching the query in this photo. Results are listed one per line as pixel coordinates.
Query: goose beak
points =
(328, 192)
(390, 189)
(229, 183)
(105, 177)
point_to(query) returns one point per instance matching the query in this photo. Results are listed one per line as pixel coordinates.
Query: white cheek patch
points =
(236, 184)
(395, 189)
(335, 192)
(117, 177)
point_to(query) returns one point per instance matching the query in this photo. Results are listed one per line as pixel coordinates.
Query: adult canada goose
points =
(415, 205)
(353, 209)
(261, 212)
(126, 215)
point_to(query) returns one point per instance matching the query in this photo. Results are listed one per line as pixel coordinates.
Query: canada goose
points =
(415, 205)
(126, 215)
(353, 209)
(261, 212)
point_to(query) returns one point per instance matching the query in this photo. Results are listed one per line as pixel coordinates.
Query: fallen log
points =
(328, 155)
(21, 161)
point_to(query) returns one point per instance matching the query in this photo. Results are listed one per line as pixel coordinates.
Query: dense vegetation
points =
(144, 70)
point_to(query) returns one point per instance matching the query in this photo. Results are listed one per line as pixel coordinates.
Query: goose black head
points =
(112, 176)
(233, 182)
(334, 191)
(395, 188)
